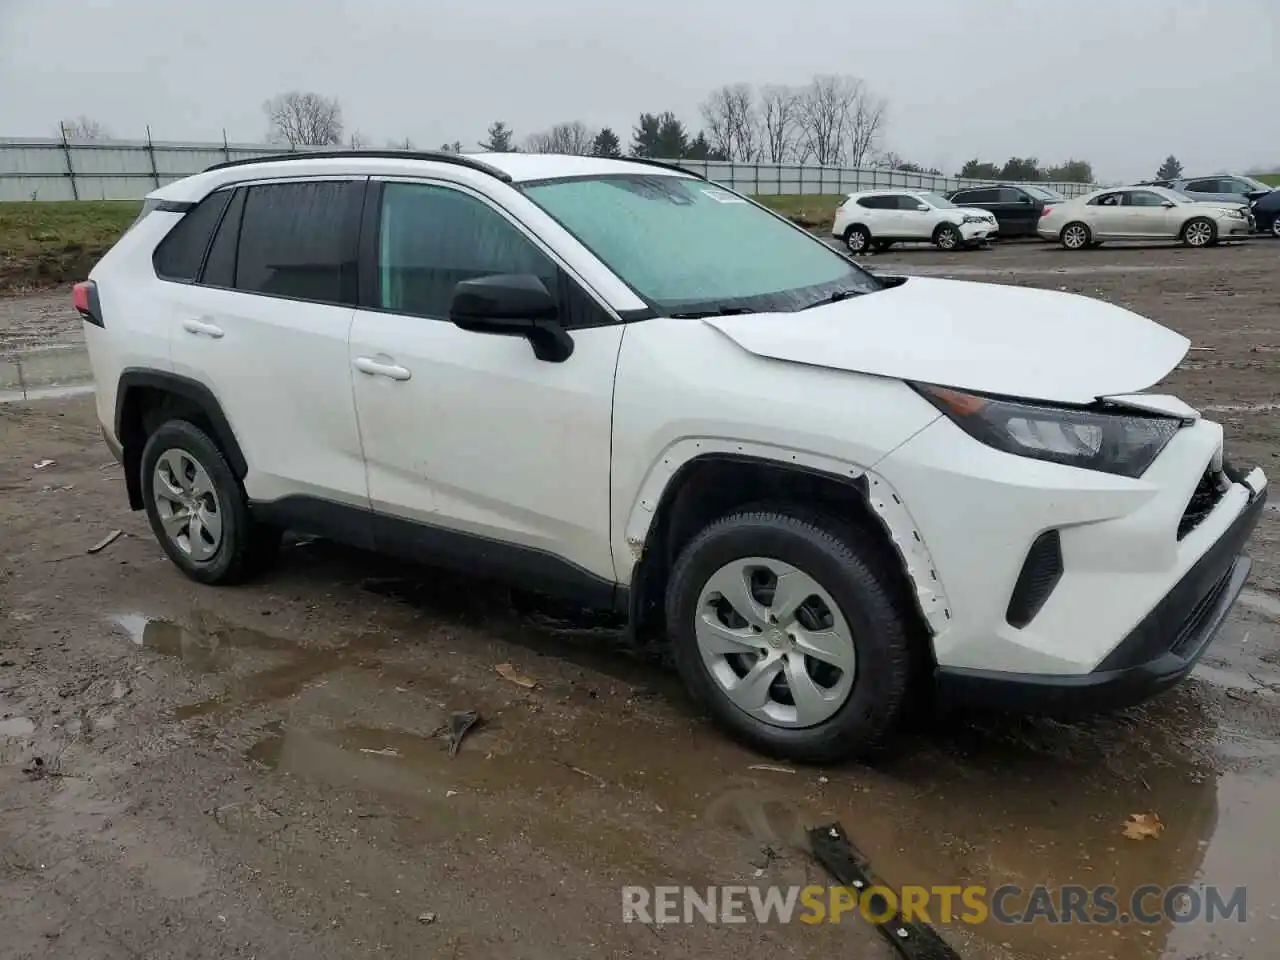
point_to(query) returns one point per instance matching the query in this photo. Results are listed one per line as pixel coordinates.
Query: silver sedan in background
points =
(1143, 213)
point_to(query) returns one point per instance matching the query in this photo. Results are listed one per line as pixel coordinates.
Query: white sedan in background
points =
(1142, 213)
(877, 219)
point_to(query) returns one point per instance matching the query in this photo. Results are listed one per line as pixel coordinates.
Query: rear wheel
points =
(947, 237)
(783, 627)
(1275, 227)
(857, 238)
(1199, 232)
(198, 509)
(1075, 236)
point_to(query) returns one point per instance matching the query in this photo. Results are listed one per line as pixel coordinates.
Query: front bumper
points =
(978, 232)
(1159, 652)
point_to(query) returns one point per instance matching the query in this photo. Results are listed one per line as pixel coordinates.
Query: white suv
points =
(617, 383)
(874, 220)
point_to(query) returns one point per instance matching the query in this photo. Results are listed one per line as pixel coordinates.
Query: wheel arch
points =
(683, 497)
(146, 397)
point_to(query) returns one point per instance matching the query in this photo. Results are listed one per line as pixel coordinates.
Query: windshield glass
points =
(688, 246)
(934, 200)
(1044, 193)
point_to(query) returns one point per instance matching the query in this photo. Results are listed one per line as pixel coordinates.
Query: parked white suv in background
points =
(617, 383)
(877, 219)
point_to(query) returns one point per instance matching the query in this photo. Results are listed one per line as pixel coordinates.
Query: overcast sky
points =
(1121, 83)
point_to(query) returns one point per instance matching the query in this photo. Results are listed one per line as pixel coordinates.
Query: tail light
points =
(85, 297)
(1045, 212)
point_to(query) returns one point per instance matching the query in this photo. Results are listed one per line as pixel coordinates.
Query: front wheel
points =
(784, 628)
(1199, 232)
(947, 237)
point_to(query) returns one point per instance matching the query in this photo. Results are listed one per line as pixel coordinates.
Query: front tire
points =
(857, 238)
(785, 629)
(947, 237)
(1075, 236)
(198, 509)
(1199, 232)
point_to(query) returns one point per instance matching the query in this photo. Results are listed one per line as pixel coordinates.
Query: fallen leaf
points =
(384, 752)
(1141, 826)
(41, 464)
(507, 672)
(106, 541)
(770, 768)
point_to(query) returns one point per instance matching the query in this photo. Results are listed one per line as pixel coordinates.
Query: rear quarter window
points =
(181, 253)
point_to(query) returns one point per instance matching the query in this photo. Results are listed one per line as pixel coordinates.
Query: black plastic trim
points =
(1037, 579)
(1161, 650)
(174, 206)
(188, 389)
(435, 156)
(527, 567)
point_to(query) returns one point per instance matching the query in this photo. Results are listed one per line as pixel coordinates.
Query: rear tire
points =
(836, 601)
(1199, 232)
(857, 238)
(1075, 236)
(1275, 227)
(198, 509)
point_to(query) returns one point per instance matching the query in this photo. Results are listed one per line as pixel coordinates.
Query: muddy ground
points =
(258, 772)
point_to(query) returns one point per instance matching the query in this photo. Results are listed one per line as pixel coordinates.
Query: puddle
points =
(16, 727)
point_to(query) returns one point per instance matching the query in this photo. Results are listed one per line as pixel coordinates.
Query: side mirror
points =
(513, 305)
(923, 207)
(1168, 204)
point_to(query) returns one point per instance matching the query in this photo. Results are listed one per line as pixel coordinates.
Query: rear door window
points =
(181, 253)
(981, 196)
(298, 240)
(1203, 186)
(220, 264)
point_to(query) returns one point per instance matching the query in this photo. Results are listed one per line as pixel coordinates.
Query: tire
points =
(1275, 227)
(857, 238)
(1199, 232)
(230, 552)
(880, 246)
(947, 237)
(841, 570)
(1075, 236)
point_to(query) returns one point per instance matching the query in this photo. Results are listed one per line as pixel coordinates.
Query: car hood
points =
(1007, 340)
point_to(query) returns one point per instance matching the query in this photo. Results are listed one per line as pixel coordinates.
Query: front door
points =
(1145, 215)
(478, 453)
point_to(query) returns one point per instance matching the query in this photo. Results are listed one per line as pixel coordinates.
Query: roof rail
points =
(666, 164)
(439, 156)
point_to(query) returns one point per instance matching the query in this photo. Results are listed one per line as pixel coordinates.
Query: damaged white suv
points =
(620, 384)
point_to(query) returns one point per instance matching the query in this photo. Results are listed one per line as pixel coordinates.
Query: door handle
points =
(202, 329)
(375, 368)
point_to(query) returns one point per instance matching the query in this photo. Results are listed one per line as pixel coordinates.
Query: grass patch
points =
(1270, 179)
(54, 242)
(809, 210)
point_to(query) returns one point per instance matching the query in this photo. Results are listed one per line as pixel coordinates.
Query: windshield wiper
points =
(720, 312)
(834, 298)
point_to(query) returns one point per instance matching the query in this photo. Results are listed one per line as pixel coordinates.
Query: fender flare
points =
(194, 392)
(881, 499)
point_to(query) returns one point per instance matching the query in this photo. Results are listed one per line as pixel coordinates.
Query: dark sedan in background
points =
(1017, 208)
(1266, 213)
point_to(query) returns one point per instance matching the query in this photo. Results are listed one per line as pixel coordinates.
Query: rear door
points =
(1107, 216)
(1019, 209)
(266, 330)
(1210, 188)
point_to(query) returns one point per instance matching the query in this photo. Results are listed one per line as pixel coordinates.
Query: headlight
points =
(970, 218)
(1235, 214)
(1094, 439)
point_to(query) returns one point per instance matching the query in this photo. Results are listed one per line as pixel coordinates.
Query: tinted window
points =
(1235, 186)
(433, 238)
(1203, 186)
(876, 203)
(1143, 198)
(220, 265)
(1107, 200)
(904, 202)
(980, 196)
(297, 240)
(1009, 195)
(181, 252)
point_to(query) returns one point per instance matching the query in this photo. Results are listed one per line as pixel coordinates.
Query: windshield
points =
(1044, 193)
(689, 247)
(935, 200)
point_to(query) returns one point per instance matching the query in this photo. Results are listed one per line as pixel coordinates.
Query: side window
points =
(1107, 200)
(181, 253)
(873, 203)
(1009, 195)
(297, 240)
(905, 202)
(983, 196)
(432, 238)
(1202, 186)
(962, 196)
(1235, 186)
(1143, 198)
(220, 265)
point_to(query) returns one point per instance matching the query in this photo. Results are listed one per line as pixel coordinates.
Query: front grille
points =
(1040, 573)
(1208, 492)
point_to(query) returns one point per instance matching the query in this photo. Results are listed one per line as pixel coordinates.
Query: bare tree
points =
(83, 128)
(357, 141)
(574, 138)
(778, 117)
(304, 119)
(730, 116)
(839, 120)
(405, 144)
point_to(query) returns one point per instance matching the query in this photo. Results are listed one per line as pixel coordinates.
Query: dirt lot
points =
(258, 772)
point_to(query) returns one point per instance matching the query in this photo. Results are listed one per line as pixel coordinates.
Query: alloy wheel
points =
(1199, 233)
(187, 504)
(947, 239)
(1075, 237)
(775, 642)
